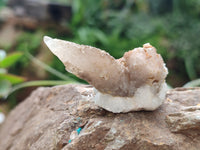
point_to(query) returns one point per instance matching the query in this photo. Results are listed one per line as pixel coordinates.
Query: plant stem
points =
(46, 67)
(38, 83)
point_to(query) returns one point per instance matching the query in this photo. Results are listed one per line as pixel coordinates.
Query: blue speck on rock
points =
(79, 130)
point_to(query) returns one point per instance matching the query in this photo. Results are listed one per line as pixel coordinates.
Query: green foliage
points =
(183, 33)
(13, 79)
(113, 29)
(10, 83)
(10, 60)
(29, 41)
(6, 79)
(5, 87)
(173, 27)
(2, 3)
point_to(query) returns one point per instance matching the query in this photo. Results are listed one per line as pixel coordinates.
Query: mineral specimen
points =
(132, 83)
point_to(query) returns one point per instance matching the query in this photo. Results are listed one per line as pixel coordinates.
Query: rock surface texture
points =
(49, 118)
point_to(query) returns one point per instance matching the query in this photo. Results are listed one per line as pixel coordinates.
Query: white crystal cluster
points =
(132, 83)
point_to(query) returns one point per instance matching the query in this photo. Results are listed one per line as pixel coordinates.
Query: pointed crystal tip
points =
(46, 39)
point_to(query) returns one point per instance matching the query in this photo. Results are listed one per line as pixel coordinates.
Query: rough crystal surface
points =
(136, 81)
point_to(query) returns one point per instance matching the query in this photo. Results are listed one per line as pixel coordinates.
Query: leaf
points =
(39, 83)
(194, 83)
(12, 78)
(10, 60)
(47, 68)
(190, 68)
(5, 87)
(101, 36)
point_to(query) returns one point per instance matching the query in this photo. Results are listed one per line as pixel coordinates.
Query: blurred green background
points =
(172, 26)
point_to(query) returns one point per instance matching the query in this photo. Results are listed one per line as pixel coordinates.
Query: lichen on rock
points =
(134, 82)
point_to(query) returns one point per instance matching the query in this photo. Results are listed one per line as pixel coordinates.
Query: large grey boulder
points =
(50, 117)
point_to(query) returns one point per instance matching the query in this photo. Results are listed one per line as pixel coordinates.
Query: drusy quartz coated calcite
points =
(132, 83)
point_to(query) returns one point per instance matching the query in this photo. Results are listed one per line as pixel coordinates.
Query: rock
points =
(186, 120)
(47, 119)
(132, 83)
(186, 117)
